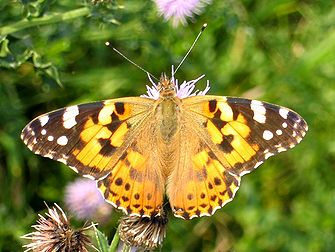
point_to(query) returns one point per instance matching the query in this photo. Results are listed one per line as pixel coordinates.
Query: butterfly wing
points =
(108, 142)
(231, 137)
(200, 183)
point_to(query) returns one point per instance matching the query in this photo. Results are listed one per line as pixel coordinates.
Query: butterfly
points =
(192, 147)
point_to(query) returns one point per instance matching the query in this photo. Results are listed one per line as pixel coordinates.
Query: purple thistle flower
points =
(85, 201)
(179, 10)
(183, 90)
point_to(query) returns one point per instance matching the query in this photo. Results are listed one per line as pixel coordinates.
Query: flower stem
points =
(115, 242)
(49, 19)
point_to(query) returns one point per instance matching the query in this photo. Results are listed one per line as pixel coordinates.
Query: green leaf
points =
(115, 242)
(101, 240)
(13, 59)
(4, 51)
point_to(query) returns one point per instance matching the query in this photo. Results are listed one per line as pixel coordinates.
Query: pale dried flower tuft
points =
(54, 233)
(144, 232)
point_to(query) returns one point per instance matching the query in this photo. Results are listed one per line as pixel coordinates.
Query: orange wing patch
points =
(209, 187)
(101, 135)
(229, 131)
(133, 187)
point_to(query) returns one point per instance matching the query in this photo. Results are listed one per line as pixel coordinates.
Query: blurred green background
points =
(52, 54)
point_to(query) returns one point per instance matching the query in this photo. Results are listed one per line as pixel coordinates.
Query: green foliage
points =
(52, 54)
(101, 240)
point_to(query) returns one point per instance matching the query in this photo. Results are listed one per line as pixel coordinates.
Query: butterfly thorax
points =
(167, 110)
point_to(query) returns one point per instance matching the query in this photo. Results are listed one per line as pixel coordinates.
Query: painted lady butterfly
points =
(195, 148)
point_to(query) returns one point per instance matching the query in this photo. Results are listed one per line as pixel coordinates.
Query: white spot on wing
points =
(74, 168)
(216, 208)
(62, 160)
(255, 105)
(89, 176)
(132, 214)
(245, 172)
(292, 145)
(259, 118)
(284, 125)
(258, 164)
(69, 117)
(112, 203)
(279, 132)
(259, 111)
(62, 140)
(50, 138)
(281, 149)
(267, 135)
(299, 139)
(125, 211)
(267, 155)
(48, 155)
(283, 113)
(43, 132)
(201, 215)
(44, 120)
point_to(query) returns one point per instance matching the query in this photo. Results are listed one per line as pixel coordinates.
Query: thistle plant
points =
(53, 232)
(179, 10)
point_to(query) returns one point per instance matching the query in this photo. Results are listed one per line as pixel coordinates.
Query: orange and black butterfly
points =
(190, 146)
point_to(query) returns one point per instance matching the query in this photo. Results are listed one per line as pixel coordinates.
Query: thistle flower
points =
(144, 232)
(54, 233)
(85, 201)
(179, 10)
(183, 90)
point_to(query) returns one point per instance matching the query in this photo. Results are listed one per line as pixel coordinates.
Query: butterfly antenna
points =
(189, 50)
(130, 61)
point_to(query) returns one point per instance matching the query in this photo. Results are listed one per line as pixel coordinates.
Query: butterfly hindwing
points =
(136, 183)
(99, 140)
(200, 184)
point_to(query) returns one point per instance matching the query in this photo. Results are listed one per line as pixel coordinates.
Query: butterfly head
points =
(166, 87)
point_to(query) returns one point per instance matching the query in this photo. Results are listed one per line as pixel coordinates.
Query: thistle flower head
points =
(183, 90)
(144, 232)
(179, 10)
(54, 233)
(85, 201)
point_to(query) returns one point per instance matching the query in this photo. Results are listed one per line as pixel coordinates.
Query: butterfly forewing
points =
(87, 127)
(245, 132)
